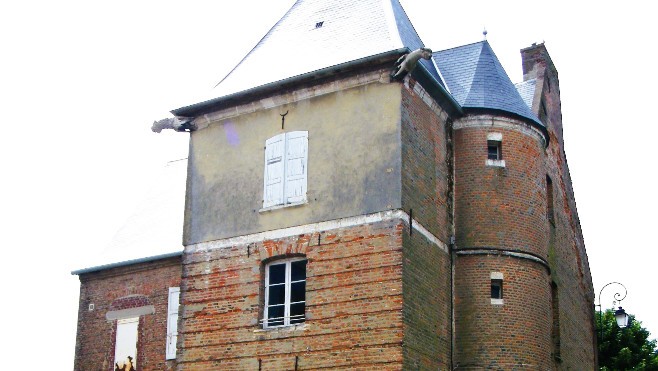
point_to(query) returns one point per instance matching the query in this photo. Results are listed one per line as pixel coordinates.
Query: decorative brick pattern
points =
(132, 301)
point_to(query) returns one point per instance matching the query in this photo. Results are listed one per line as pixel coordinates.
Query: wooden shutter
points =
(295, 169)
(274, 171)
(172, 322)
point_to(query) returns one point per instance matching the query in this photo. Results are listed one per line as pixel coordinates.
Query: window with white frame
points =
(172, 322)
(286, 157)
(495, 150)
(125, 349)
(285, 293)
(497, 288)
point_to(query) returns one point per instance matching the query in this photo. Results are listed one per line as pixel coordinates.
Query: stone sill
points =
(496, 163)
(276, 207)
(290, 328)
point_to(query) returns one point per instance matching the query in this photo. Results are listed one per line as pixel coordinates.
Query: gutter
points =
(126, 263)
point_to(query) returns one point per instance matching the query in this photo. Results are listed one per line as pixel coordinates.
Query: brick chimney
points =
(537, 64)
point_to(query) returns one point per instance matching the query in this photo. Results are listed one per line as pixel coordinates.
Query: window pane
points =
(298, 291)
(275, 315)
(277, 273)
(493, 153)
(277, 294)
(297, 313)
(496, 289)
(298, 270)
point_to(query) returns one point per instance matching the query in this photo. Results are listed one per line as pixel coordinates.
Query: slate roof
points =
(527, 91)
(319, 34)
(476, 79)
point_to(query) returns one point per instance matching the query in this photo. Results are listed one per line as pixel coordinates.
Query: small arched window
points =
(285, 293)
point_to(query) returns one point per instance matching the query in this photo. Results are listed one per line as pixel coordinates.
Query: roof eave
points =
(126, 263)
(200, 108)
(529, 121)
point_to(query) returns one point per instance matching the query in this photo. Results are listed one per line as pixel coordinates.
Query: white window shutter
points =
(274, 171)
(296, 158)
(172, 322)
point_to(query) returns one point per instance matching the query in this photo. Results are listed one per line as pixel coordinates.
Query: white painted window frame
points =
(172, 322)
(282, 198)
(287, 303)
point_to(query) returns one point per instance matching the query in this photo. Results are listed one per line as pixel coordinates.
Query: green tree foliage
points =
(624, 349)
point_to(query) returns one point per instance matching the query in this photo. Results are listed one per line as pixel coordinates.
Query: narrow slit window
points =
(549, 200)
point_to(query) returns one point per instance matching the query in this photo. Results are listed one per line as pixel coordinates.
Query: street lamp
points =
(620, 314)
(621, 317)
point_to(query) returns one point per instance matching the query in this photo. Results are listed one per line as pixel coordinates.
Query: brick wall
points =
(427, 304)
(125, 288)
(567, 255)
(353, 303)
(516, 334)
(501, 207)
(501, 211)
(426, 266)
(424, 161)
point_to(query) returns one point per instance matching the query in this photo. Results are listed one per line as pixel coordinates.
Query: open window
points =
(125, 349)
(285, 293)
(286, 158)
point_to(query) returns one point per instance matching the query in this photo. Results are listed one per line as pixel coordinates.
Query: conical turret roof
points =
(476, 79)
(318, 34)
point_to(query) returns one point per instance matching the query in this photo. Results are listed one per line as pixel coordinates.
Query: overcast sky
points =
(82, 81)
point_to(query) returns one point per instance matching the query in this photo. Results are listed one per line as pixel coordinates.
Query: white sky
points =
(81, 82)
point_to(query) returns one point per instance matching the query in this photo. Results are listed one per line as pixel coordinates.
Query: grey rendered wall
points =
(353, 163)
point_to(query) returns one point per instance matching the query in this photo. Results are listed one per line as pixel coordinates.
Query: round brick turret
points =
(502, 279)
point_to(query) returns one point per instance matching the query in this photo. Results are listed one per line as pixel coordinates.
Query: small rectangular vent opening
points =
(319, 24)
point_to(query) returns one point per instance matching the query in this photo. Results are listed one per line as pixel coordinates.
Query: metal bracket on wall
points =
(283, 119)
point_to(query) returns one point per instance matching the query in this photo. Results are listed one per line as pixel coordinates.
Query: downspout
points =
(450, 197)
